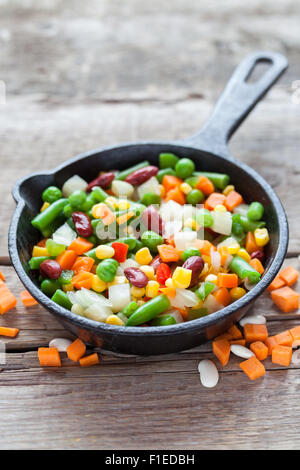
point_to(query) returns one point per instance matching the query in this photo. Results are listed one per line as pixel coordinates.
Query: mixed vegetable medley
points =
(148, 246)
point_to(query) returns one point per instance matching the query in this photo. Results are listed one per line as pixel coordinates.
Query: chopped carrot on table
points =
(289, 275)
(286, 299)
(253, 368)
(76, 350)
(255, 333)
(2, 277)
(282, 355)
(7, 300)
(221, 349)
(27, 299)
(11, 332)
(235, 332)
(276, 284)
(49, 357)
(90, 360)
(284, 339)
(260, 350)
(295, 332)
(270, 342)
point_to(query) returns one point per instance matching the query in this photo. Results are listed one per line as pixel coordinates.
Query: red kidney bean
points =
(136, 277)
(152, 220)
(82, 224)
(104, 181)
(50, 269)
(195, 264)
(142, 175)
(259, 254)
(156, 262)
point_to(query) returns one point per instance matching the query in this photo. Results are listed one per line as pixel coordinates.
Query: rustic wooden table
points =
(80, 75)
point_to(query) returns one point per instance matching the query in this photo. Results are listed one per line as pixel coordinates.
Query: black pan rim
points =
(179, 328)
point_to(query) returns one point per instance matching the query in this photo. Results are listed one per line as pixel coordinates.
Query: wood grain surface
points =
(80, 75)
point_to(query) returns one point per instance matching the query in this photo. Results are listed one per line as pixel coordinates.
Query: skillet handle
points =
(236, 102)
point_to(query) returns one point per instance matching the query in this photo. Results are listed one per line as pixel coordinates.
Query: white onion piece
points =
(184, 298)
(73, 184)
(150, 186)
(60, 344)
(241, 351)
(176, 315)
(64, 235)
(253, 320)
(212, 304)
(97, 312)
(189, 211)
(119, 296)
(241, 209)
(227, 242)
(248, 285)
(129, 263)
(296, 357)
(86, 297)
(222, 222)
(209, 375)
(171, 210)
(171, 227)
(215, 259)
(122, 188)
(184, 240)
(228, 260)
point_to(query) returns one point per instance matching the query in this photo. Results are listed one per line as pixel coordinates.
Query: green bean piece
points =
(51, 194)
(188, 252)
(66, 277)
(93, 239)
(255, 211)
(184, 168)
(195, 197)
(130, 308)
(250, 225)
(123, 174)
(149, 310)
(45, 218)
(151, 240)
(50, 229)
(150, 198)
(36, 261)
(77, 199)
(98, 194)
(50, 286)
(54, 249)
(243, 269)
(68, 210)
(61, 298)
(219, 180)
(167, 160)
(88, 203)
(166, 171)
(193, 314)
(163, 320)
(205, 289)
(106, 269)
(204, 218)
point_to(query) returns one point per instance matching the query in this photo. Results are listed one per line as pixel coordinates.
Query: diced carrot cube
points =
(255, 333)
(241, 342)
(289, 275)
(233, 200)
(295, 332)
(284, 339)
(260, 350)
(76, 350)
(256, 264)
(222, 296)
(221, 349)
(253, 368)
(282, 355)
(213, 200)
(270, 342)
(235, 332)
(276, 284)
(49, 357)
(286, 299)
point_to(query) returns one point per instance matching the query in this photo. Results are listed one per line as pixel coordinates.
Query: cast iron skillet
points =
(208, 149)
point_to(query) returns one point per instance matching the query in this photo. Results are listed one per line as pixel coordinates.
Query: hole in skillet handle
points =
(258, 70)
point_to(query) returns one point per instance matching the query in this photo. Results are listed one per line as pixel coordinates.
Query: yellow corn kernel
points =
(104, 251)
(138, 292)
(111, 202)
(152, 289)
(182, 277)
(149, 271)
(140, 302)
(261, 236)
(162, 190)
(212, 278)
(98, 285)
(39, 251)
(234, 248)
(117, 281)
(68, 287)
(191, 223)
(114, 320)
(123, 204)
(45, 206)
(220, 208)
(228, 189)
(143, 256)
(185, 188)
(244, 254)
(236, 293)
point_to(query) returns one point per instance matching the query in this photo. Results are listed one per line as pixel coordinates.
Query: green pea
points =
(106, 270)
(51, 194)
(190, 252)
(150, 198)
(130, 308)
(77, 199)
(167, 160)
(195, 197)
(68, 210)
(255, 211)
(165, 171)
(54, 249)
(61, 298)
(184, 168)
(49, 286)
(151, 240)
(204, 218)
